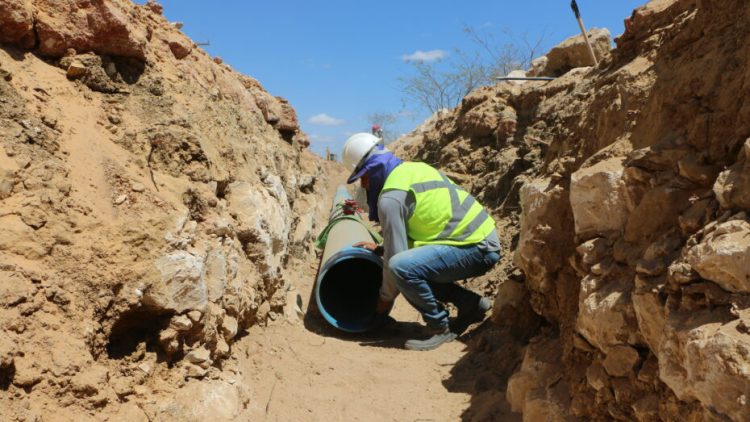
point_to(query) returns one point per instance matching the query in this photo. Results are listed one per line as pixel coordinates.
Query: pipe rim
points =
(344, 254)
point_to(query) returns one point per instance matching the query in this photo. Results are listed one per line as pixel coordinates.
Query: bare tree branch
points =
(442, 84)
(385, 120)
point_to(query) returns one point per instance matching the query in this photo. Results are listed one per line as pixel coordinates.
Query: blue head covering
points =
(378, 166)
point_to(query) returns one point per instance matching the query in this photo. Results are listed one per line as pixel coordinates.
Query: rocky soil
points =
(152, 201)
(622, 194)
(158, 211)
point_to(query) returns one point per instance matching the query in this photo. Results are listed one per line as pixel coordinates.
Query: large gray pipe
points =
(346, 290)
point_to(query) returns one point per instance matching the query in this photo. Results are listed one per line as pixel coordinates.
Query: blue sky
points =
(339, 61)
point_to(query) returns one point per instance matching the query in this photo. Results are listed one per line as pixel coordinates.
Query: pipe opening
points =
(348, 292)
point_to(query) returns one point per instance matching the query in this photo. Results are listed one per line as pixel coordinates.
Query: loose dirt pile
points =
(622, 194)
(151, 197)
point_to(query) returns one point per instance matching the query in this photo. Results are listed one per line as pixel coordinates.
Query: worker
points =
(434, 234)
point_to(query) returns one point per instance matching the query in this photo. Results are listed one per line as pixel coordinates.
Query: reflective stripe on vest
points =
(411, 176)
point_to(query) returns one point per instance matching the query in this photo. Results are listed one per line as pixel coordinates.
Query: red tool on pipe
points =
(351, 207)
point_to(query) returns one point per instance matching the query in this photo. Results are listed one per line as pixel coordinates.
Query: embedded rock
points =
(268, 104)
(548, 404)
(547, 219)
(8, 170)
(75, 70)
(606, 317)
(538, 65)
(229, 327)
(199, 401)
(693, 170)
(103, 27)
(194, 371)
(182, 285)
(573, 53)
(17, 22)
(542, 204)
(594, 250)
(482, 112)
(181, 323)
(510, 299)
(276, 111)
(264, 221)
(705, 360)
(7, 182)
(198, 356)
(17, 237)
(599, 199)
(649, 311)
(621, 360)
(27, 372)
(528, 388)
(732, 187)
(596, 376)
(222, 349)
(512, 308)
(180, 46)
(15, 289)
(90, 381)
(155, 7)
(655, 214)
(288, 117)
(132, 413)
(723, 256)
(219, 270)
(303, 229)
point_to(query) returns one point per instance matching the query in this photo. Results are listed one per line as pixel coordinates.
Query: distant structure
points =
(329, 155)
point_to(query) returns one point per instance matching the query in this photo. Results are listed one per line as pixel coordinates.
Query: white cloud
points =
(323, 119)
(424, 56)
(322, 139)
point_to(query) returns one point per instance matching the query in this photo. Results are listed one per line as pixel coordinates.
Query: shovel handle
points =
(577, 12)
(574, 6)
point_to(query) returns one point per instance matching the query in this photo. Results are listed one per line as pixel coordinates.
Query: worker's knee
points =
(491, 258)
(399, 266)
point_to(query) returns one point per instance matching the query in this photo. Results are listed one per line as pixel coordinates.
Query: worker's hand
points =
(366, 245)
(383, 307)
(378, 250)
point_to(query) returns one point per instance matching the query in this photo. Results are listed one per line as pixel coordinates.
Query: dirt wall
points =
(622, 200)
(151, 200)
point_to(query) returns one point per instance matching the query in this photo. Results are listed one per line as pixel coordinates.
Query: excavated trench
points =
(620, 192)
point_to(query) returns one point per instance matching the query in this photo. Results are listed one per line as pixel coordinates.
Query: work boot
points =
(470, 313)
(438, 337)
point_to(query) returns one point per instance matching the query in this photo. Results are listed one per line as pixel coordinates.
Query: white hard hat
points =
(356, 149)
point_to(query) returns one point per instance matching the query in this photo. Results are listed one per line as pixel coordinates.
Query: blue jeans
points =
(428, 271)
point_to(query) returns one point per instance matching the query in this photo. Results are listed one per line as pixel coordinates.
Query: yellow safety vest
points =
(444, 212)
